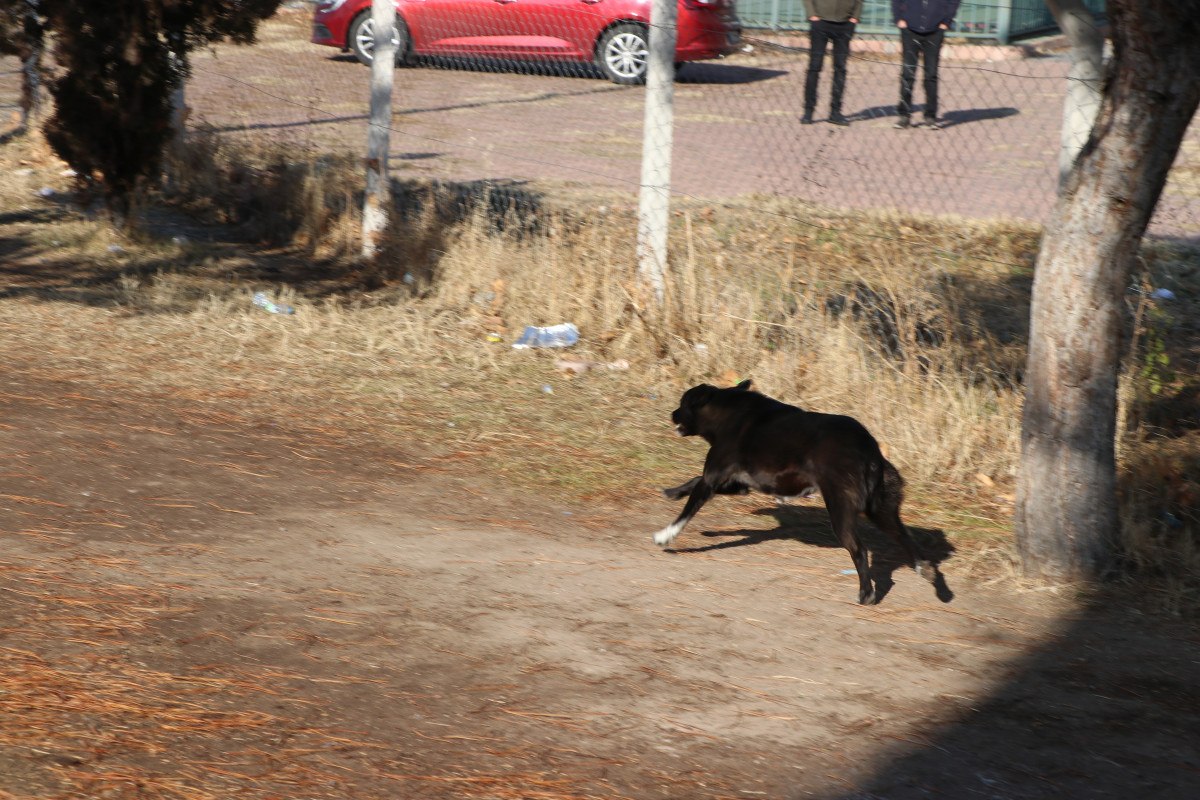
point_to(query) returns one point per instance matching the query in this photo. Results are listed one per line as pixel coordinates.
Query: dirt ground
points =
(200, 605)
(202, 601)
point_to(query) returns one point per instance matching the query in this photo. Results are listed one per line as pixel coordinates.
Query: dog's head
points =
(695, 406)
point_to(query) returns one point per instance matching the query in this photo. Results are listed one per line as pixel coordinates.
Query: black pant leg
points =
(932, 47)
(818, 38)
(841, 54)
(908, 71)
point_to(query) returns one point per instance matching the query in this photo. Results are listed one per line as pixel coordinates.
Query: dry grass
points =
(96, 721)
(915, 325)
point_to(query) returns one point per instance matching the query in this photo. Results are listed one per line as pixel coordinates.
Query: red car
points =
(613, 34)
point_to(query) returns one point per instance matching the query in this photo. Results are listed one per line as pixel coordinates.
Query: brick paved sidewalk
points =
(737, 127)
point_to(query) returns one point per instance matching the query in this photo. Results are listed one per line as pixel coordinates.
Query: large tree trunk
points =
(1066, 518)
(1084, 79)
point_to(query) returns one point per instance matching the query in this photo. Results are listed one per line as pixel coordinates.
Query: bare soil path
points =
(199, 605)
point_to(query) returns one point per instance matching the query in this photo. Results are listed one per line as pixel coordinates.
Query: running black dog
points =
(757, 443)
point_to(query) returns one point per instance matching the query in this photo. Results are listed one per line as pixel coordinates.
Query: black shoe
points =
(903, 122)
(838, 119)
(806, 119)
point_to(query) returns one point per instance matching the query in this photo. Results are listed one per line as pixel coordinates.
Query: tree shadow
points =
(14, 134)
(1172, 413)
(810, 525)
(1106, 706)
(424, 216)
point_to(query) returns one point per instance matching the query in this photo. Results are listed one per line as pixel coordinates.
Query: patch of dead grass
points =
(915, 325)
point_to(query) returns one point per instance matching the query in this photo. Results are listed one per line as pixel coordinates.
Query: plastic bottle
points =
(563, 335)
(262, 301)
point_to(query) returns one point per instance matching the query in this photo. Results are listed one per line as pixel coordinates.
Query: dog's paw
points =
(867, 598)
(667, 535)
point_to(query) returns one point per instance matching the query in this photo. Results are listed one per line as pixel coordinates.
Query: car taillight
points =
(704, 3)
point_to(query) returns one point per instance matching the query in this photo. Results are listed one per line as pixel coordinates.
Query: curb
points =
(889, 46)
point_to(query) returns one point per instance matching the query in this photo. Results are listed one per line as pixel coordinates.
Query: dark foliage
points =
(120, 61)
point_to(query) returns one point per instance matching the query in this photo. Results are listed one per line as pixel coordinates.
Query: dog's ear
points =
(698, 395)
(744, 386)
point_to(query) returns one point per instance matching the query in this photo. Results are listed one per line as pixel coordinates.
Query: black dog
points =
(757, 443)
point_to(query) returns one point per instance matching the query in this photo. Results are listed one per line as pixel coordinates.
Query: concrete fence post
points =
(377, 199)
(657, 135)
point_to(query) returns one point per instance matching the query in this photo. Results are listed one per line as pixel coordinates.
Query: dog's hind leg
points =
(884, 510)
(699, 495)
(889, 522)
(843, 516)
(682, 490)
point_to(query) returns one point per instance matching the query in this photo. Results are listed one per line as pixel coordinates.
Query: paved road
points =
(737, 127)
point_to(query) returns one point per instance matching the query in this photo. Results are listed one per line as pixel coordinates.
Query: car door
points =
(455, 27)
(557, 28)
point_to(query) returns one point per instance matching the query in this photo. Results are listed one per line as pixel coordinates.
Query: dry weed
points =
(915, 325)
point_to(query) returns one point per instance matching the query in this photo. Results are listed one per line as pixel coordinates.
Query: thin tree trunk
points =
(1066, 520)
(1084, 79)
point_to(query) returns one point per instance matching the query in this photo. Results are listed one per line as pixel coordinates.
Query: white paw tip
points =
(664, 537)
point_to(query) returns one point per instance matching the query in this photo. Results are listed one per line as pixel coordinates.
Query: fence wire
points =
(546, 123)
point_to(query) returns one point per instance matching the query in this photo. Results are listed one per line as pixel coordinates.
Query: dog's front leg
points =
(700, 494)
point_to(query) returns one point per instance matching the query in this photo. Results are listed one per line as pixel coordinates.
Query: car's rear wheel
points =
(623, 52)
(362, 40)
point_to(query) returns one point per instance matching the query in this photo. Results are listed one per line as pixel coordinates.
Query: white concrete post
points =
(378, 198)
(657, 136)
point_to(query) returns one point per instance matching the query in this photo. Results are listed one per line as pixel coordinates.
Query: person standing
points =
(923, 25)
(830, 21)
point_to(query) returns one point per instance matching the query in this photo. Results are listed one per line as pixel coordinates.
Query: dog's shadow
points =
(810, 525)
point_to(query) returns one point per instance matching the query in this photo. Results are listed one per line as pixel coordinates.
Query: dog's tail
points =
(886, 490)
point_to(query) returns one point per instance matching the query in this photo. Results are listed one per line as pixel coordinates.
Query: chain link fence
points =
(543, 119)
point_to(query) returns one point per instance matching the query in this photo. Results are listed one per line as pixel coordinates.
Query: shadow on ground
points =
(1105, 707)
(707, 72)
(810, 526)
(169, 240)
(1109, 707)
(950, 118)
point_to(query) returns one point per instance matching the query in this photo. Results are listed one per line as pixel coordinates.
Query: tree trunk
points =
(1084, 79)
(1066, 518)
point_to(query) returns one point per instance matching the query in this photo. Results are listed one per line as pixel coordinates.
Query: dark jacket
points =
(924, 16)
(834, 10)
